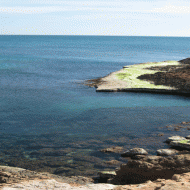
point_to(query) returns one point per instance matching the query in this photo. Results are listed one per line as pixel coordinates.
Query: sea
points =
(51, 122)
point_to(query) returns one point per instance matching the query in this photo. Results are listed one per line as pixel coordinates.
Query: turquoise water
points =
(42, 99)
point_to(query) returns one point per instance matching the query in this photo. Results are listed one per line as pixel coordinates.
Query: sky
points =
(100, 17)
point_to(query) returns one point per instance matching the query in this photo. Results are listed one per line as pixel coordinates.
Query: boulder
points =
(152, 168)
(174, 138)
(134, 151)
(184, 144)
(166, 152)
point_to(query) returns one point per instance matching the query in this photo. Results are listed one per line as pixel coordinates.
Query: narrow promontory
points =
(155, 77)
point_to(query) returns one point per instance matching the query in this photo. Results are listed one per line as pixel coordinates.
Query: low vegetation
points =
(185, 141)
(131, 73)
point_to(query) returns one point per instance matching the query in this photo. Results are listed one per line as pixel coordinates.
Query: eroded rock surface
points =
(178, 182)
(12, 175)
(152, 168)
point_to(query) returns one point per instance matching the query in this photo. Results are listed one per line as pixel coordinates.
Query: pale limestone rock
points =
(134, 151)
(175, 138)
(181, 144)
(166, 152)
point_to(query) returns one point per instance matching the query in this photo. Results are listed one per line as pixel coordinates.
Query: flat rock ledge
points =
(175, 79)
(179, 142)
(178, 182)
(175, 138)
(9, 176)
(52, 184)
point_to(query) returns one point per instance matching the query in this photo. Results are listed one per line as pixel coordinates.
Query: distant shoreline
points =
(167, 77)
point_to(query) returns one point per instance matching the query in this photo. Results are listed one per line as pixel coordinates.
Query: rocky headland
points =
(171, 77)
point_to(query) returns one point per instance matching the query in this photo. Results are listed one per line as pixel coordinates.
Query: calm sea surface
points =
(50, 122)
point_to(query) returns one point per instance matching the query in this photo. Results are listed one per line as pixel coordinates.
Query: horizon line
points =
(89, 35)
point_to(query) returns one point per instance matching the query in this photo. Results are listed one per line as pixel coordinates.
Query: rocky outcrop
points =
(178, 78)
(185, 61)
(152, 168)
(174, 78)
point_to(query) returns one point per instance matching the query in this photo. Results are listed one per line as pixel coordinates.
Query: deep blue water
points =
(41, 91)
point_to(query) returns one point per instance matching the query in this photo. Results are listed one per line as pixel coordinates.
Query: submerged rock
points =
(134, 151)
(166, 152)
(116, 149)
(113, 162)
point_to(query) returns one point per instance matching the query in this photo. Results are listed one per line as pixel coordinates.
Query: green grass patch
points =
(121, 76)
(131, 73)
(185, 141)
(109, 172)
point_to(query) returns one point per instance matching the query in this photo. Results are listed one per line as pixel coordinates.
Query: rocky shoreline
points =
(169, 169)
(167, 77)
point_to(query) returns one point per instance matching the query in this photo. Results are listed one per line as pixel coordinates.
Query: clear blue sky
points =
(100, 17)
